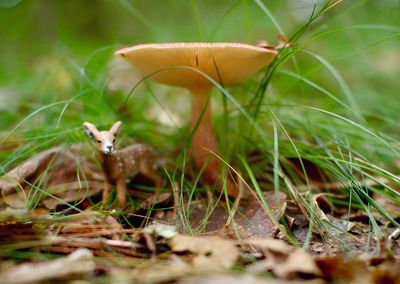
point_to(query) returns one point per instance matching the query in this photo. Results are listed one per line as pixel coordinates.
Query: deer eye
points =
(113, 140)
(99, 141)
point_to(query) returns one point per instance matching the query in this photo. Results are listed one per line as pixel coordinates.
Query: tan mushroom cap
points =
(230, 63)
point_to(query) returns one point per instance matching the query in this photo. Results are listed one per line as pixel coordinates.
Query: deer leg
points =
(106, 190)
(121, 191)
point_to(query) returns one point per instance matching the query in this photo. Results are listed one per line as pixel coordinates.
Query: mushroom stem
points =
(203, 140)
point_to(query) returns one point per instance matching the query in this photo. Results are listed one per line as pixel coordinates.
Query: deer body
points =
(121, 165)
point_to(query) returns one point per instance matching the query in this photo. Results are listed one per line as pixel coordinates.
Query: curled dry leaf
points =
(71, 191)
(251, 218)
(160, 230)
(19, 224)
(12, 215)
(254, 220)
(162, 271)
(78, 263)
(392, 207)
(12, 183)
(283, 260)
(335, 268)
(207, 251)
(98, 245)
(242, 279)
(156, 199)
(282, 42)
(387, 271)
(90, 224)
(154, 232)
(64, 173)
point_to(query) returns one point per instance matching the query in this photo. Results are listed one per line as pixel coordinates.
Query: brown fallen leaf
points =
(207, 251)
(90, 224)
(92, 243)
(160, 230)
(20, 215)
(336, 269)
(78, 263)
(157, 233)
(12, 183)
(62, 174)
(157, 199)
(242, 279)
(283, 260)
(391, 207)
(253, 218)
(388, 271)
(164, 271)
(250, 219)
(13, 231)
(71, 191)
(19, 225)
(282, 42)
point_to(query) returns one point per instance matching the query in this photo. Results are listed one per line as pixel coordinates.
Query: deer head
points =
(104, 140)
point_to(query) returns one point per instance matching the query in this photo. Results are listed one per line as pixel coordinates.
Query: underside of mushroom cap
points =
(226, 63)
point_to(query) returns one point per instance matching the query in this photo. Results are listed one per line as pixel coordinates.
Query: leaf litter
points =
(65, 237)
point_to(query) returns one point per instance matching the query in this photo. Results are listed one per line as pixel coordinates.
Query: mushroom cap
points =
(226, 63)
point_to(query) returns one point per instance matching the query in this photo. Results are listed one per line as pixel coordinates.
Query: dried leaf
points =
(18, 225)
(387, 272)
(390, 206)
(92, 243)
(64, 173)
(90, 224)
(251, 218)
(208, 251)
(284, 261)
(254, 220)
(334, 268)
(71, 191)
(340, 226)
(240, 278)
(77, 263)
(160, 230)
(157, 199)
(24, 173)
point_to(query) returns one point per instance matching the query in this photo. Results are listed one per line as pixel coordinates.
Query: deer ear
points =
(89, 129)
(115, 128)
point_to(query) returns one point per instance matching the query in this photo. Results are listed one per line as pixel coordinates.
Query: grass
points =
(327, 101)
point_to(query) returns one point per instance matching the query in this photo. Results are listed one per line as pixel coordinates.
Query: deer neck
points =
(107, 161)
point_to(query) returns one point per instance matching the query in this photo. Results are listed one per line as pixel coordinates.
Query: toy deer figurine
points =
(121, 165)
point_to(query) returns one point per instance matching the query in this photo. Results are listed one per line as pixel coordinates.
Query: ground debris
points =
(249, 220)
(207, 251)
(77, 264)
(158, 254)
(335, 268)
(243, 279)
(387, 271)
(254, 220)
(19, 224)
(161, 230)
(56, 176)
(285, 261)
(227, 246)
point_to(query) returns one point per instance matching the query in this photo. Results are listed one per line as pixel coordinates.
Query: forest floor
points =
(171, 237)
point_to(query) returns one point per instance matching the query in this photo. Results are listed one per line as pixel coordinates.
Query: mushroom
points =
(225, 63)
